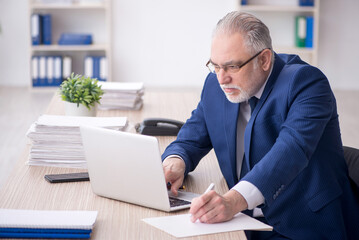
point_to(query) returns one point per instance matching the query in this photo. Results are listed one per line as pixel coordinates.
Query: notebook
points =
(128, 167)
(18, 223)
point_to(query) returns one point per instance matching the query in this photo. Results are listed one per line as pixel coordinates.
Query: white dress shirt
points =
(250, 192)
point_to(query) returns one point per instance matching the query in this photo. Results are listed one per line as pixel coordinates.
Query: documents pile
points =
(56, 140)
(121, 95)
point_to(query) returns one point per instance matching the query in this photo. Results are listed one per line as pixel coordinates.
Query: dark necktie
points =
(245, 169)
(253, 102)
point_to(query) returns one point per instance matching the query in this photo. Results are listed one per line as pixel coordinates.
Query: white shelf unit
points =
(76, 17)
(279, 16)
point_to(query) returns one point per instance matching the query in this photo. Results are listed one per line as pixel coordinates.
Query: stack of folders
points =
(41, 29)
(49, 71)
(15, 223)
(96, 67)
(56, 140)
(121, 95)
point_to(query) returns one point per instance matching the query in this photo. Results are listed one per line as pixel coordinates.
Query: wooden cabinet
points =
(71, 16)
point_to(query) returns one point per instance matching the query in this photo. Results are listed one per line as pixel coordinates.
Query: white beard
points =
(242, 96)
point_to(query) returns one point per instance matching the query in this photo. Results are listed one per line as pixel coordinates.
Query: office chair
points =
(351, 156)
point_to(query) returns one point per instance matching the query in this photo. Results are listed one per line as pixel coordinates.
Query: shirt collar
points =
(258, 94)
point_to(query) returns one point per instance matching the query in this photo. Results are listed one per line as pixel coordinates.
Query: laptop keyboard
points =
(175, 202)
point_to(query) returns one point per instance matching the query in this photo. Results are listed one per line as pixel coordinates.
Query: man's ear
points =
(265, 59)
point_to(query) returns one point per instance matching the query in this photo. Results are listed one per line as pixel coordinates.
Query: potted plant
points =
(81, 94)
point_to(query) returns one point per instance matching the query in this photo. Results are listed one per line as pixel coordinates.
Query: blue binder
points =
(75, 39)
(49, 71)
(66, 67)
(46, 29)
(35, 71)
(88, 66)
(309, 37)
(57, 70)
(36, 29)
(96, 67)
(103, 69)
(42, 71)
(308, 3)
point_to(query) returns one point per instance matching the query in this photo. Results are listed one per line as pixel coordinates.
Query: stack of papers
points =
(56, 140)
(15, 223)
(120, 95)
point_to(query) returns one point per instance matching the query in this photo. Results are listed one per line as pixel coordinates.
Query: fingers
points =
(174, 179)
(174, 173)
(211, 208)
(201, 207)
(174, 186)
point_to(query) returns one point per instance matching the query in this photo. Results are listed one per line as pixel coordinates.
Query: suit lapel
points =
(278, 65)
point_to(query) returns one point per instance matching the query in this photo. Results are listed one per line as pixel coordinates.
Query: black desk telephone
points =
(159, 127)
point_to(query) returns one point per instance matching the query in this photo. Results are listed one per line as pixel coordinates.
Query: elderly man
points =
(273, 123)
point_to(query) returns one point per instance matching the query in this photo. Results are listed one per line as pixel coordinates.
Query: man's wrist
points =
(175, 164)
(251, 194)
(239, 202)
(174, 158)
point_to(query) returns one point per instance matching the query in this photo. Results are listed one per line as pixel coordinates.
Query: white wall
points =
(339, 42)
(164, 42)
(167, 42)
(14, 43)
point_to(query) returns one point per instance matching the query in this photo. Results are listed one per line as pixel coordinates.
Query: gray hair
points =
(255, 32)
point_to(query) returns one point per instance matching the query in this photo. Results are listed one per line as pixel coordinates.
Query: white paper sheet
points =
(122, 86)
(74, 121)
(181, 225)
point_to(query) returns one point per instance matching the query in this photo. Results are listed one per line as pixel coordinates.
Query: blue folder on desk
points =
(16, 223)
(75, 39)
(44, 233)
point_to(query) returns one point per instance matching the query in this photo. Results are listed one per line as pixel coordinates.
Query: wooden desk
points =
(26, 187)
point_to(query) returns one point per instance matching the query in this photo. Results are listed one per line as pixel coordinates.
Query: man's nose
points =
(223, 77)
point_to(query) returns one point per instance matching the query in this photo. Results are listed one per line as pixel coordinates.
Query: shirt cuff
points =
(176, 156)
(250, 193)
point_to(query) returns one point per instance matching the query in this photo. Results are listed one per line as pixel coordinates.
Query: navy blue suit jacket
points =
(292, 145)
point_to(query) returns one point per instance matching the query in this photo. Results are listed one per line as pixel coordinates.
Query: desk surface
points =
(26, 187)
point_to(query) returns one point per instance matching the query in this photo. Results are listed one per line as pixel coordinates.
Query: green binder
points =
(300, 31)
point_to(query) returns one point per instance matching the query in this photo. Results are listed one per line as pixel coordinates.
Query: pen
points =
(183, 187)
(210, 187)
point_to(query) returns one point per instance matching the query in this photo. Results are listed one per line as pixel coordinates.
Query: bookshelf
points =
(74, 16)
(279, 16)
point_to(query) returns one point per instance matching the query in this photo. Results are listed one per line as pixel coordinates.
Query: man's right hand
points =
(174, 169)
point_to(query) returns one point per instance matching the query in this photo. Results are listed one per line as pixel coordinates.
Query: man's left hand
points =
(212, 207)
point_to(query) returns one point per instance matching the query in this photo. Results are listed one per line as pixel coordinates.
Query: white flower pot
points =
(71, 109)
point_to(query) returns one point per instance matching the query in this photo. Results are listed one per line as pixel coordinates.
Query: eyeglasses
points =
(233, 68)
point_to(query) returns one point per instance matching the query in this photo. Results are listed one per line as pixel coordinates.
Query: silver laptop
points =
(128, 167)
